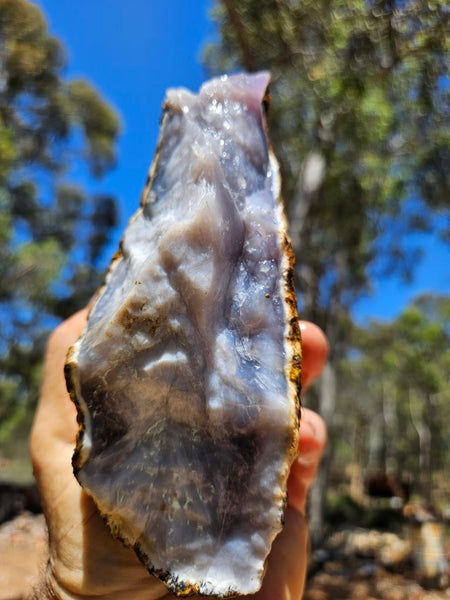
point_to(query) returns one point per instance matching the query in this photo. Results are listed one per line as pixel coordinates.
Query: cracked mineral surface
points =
(186, 376)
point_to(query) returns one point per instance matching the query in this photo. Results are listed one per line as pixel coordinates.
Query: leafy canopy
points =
(360, 123)
(397, 382)
(52, 233)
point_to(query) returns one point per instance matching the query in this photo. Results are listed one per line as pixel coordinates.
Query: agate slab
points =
(186, 377)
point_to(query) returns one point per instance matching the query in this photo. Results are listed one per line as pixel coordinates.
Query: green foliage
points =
(360, 124)
(52, 233)
(362, 89)
(98, 122)
(7, 151)
(396, 386)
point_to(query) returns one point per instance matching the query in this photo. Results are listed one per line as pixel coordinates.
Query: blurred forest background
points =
(360, 121)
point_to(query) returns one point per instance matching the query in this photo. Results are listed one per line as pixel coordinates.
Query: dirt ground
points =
(340, 581)
(23, 555)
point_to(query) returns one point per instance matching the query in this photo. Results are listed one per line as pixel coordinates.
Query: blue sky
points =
(132, 51)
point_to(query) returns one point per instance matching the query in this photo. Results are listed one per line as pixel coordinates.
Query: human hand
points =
(85, 561)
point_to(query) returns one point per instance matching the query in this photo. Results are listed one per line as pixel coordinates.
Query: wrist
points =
(49, 589)
(68, 586)
(55, 590)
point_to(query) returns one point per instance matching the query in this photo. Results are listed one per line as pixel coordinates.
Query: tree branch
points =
(239, 30)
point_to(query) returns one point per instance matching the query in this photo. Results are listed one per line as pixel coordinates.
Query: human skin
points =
(84, 559)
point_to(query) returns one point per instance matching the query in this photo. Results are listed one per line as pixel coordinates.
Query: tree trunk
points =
(375, 442)
(241, 36)
(356, 484)
(420, 415)
(391, 429)
(309, 182)
(426, 465)
(327, 404)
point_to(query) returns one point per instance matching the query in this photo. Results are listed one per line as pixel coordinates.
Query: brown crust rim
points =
(70, 374)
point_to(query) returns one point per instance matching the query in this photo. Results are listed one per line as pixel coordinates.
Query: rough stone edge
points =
(293, 368)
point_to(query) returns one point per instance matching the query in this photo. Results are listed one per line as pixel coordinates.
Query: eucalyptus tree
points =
(360, 123)
(52, 232)
(399, 374)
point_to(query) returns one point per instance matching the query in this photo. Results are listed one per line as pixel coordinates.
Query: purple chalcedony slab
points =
(186, 376)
